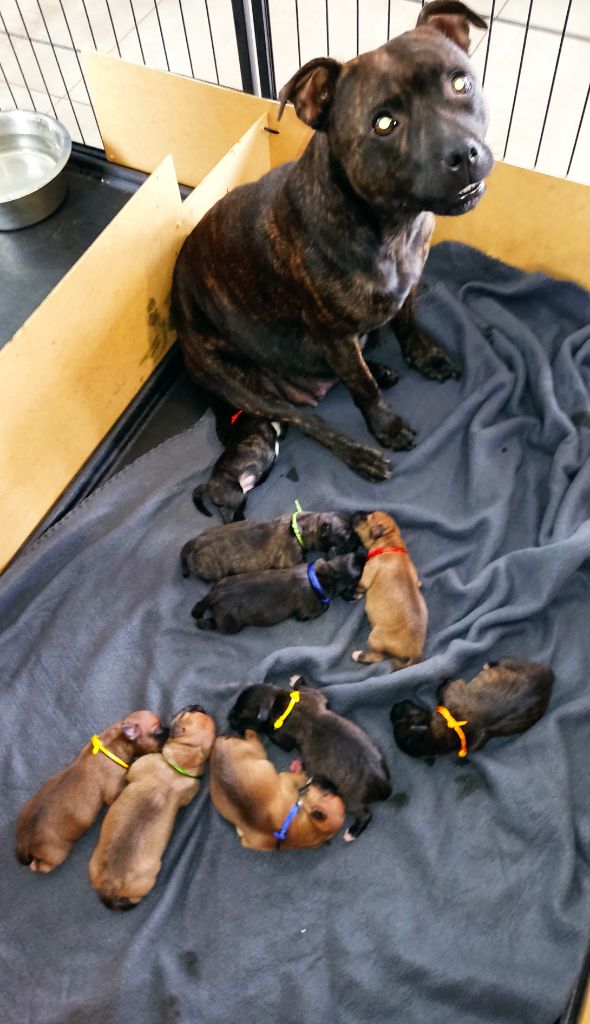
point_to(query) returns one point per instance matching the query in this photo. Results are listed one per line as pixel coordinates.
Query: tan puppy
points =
(248, 791)
(135, 831)
(68, 803)
(394, 605)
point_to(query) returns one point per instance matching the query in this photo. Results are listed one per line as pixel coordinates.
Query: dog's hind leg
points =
(368, 657)
(418, 350)
(244, 389)
(384, 375)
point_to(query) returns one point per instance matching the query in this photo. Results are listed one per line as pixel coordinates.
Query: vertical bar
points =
(161, 35)
(263, 40)
(113, 27)
(188, 49)
(526, 32)
(22, 74)
(327, 32)
(489, 39)
(89, 25)
(358, 29)
(8, 86)
(212, 43)
(136, 30)
(298, 35)
(569, 7)
(79, 68)
(36, 58)
(569, 166)
(388, 19)
(61, 74)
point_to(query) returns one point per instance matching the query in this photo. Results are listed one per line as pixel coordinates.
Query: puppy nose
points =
(463, 160)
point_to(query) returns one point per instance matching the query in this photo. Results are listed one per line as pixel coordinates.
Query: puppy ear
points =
(325, 531)
(311, 91)
(452, 19)
(318, 815)
(377, 531)
(131, 730)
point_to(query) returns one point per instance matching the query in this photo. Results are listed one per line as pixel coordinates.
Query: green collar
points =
(294, 525)
(180, 770)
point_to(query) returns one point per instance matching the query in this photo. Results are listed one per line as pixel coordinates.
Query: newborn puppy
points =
(270, 811)
(395, 607)
(332, 748)
(248, 457)
(278, 544)
(135, 831)
(505, 698)
(265, 598)
(69, 802)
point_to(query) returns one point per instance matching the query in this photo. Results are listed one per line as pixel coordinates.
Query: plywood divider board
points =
(143, 114)
(531, 220)
(71, 370)
(246, 161)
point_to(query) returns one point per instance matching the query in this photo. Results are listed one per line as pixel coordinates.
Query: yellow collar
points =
(97, 745)
(456, 726)
(295, 698)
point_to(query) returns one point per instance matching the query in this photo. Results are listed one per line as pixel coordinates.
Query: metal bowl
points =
(34, 151)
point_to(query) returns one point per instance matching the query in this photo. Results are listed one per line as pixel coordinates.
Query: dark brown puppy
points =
(333, 749)
(265, 598)
(249, 455)
(134, 834)
(247, 547)
(271, 305)
(270, 810)
(505, 698)
(68, 803)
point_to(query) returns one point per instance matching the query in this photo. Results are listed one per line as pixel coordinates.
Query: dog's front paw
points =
(348, 838)
(391, 430)
(430, 360)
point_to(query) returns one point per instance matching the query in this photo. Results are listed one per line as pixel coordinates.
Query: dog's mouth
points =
(461, 202)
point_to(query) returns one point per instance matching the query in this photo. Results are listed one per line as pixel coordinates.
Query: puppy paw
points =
(348, 838)
(296, 765)
(356, 655)
(293, 680)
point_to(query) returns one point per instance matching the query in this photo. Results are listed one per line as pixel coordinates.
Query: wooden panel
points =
(70, 371)
(531, 220)
(143, 114)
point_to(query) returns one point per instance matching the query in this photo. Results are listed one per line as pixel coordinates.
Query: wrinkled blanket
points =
(468, 897)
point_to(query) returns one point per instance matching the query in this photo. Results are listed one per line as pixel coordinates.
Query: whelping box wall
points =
(76, 364)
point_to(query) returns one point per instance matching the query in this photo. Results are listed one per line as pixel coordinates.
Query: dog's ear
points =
(311, 91)
(452, 18)
(131, 730)
(377, 531)
(318, 815)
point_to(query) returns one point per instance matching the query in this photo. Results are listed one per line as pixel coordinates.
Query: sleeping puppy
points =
(135, 831)
(68, 803)
(395, 607)
(270, 811)
(506, 698)
(332, 748)
(278, 544)
(246, 461)
(265, 598)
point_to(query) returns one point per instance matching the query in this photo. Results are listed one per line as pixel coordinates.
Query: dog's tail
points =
(116, 902)
(199, 613)
(23, 855)
(198, 495)
(244, 389)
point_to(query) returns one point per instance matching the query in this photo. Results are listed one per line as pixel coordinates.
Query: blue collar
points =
(281, 835)
(315, 583)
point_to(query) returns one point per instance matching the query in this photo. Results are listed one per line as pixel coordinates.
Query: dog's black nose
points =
(464, 161)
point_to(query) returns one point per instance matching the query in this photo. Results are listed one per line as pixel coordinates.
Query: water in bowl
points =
(22, 166)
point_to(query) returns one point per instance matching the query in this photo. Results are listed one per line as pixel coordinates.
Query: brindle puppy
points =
(277, 287)
(265, 598)
(135, 832)
(68, 803)
(505, 698)
(246, 462)
(247, 547)
(332, 748)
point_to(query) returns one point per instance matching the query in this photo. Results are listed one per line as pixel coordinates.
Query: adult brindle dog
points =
(278, 285)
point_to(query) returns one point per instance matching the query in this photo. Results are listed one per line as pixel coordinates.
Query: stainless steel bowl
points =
(34, 151)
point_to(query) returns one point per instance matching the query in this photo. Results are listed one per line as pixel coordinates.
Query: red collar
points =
(379, 551)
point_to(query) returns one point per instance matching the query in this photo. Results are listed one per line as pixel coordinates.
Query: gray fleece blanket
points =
(468, 897)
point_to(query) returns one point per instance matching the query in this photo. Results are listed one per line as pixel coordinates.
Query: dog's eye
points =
(384, 123)
(461, 83)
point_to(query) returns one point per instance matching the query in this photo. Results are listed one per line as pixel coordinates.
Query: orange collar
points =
(380, 551)
(454, 724)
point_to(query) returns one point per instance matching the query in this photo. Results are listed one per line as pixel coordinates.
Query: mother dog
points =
(278, 285)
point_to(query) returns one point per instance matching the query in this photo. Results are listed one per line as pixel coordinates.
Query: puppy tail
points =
(185, 559)
(201, 607)
(116, 902)
(23, 855)
(198, 499)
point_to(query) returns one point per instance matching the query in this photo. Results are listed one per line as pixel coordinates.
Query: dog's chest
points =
(400, 261)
